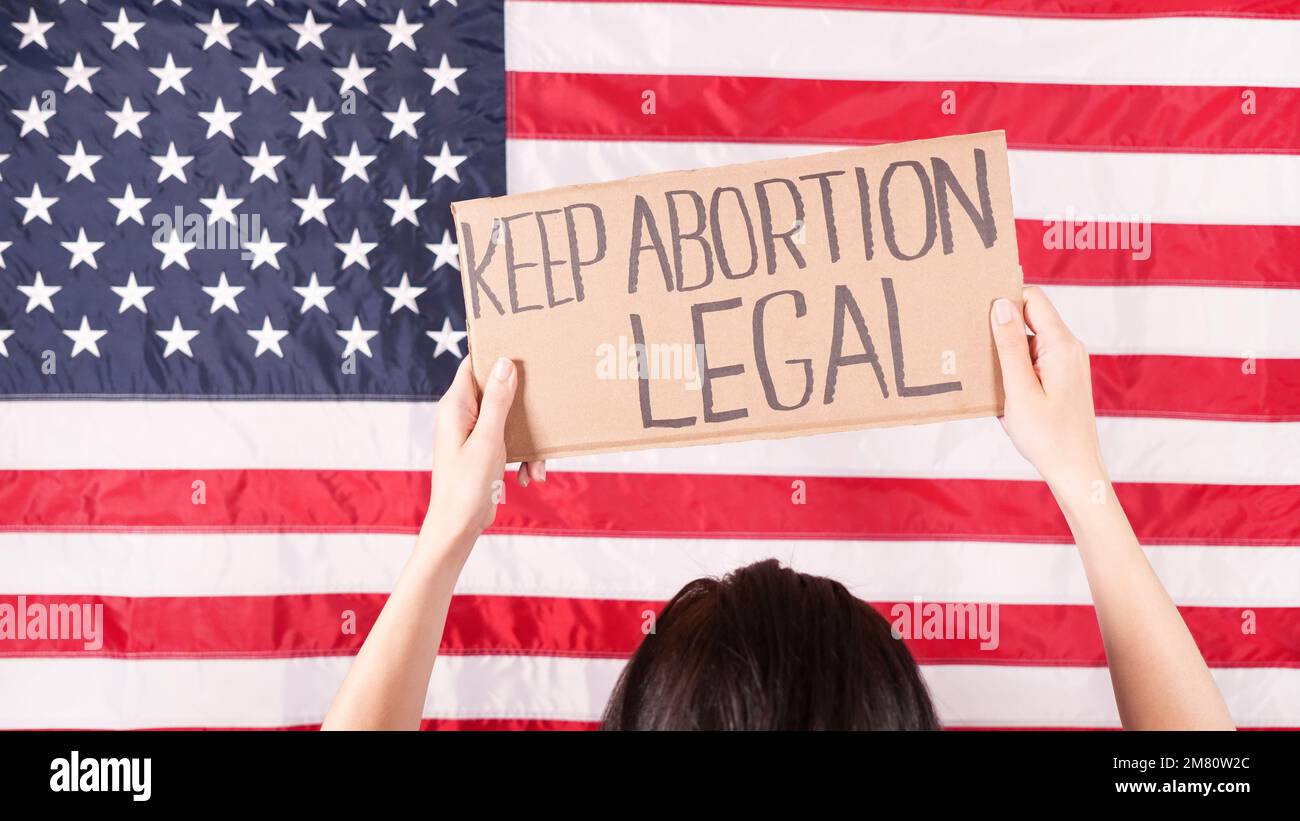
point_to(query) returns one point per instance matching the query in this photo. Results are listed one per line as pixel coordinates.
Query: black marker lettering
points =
(845, 303)
(760, 353)
(707, 374)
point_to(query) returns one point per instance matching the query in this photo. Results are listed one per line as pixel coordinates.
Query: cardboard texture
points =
(820, 293)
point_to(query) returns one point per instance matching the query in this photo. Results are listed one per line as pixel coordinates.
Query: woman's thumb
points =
(498, 395)
(1013, 348)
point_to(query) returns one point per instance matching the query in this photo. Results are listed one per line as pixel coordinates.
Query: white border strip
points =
(214, 564)
(663, 38)
(1228, 189)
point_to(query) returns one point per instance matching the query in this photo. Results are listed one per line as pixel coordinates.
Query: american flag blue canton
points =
(230, 200)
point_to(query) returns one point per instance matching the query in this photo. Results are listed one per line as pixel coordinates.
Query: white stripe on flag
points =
(1136, 450)
(1228, 189)
(1195, 321)
(260, 564)
(748, 40)
(398, 436)
(97, 693)
(100, 693)
(188, 435)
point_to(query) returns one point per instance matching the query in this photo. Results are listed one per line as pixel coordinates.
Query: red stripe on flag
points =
(326, 624)
(473, 724)
(1197, 387)
(853, 112)
(623, 504)
(889, 508)
(506, 724)
(1285, 9)
(220, 627)
(1264, 256)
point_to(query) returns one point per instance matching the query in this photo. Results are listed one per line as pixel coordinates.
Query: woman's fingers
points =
(531, 472)
(1018, 377)
(457, 409)
(1042, 317)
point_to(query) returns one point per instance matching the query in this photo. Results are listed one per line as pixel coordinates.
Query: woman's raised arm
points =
(385, 688)
(1160, 679)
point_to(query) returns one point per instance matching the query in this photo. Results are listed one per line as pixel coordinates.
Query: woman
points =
(769, 648)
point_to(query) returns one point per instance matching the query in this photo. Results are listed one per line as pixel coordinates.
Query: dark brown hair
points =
(768, 648)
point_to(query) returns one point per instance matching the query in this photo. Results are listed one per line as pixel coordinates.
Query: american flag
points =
(229, 300)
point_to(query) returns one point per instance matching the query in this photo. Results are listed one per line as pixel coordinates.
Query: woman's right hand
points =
(1049, 413)
(469, 453)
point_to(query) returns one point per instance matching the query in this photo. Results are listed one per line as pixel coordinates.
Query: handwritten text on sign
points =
(806, 295)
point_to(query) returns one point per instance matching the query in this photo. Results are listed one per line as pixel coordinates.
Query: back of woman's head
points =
(767, 648)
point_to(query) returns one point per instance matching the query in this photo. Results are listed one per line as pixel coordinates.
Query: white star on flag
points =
(170, 76)
(400, 32)
(311, 120)
(354, 164)
(357, 338)
(33, 31)
(445, 252)
(34, 119)
(404, 296)
(127, 119)
(313, 295)
(39, 295)
(264, 251)
(36, 206)
(221, 207)
(446, 340)
(309, 32)
(85, 338)
(129, 206)
(445, 163)
(219, 120)
(313, 207)
(268, 339)
(78, 75)
(444, 76)
(261, 75)
(223, 295)
(353, 76)
(177, 339)
(124, 30)
(217, 31)
(82, 250)
(355, 251)
(174, 251)
(404, 208)
(132, 295)
(172, 165)
(263, 164)
(403, 120)
(80, 164)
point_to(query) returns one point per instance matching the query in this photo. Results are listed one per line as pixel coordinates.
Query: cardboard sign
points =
(814, 294)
